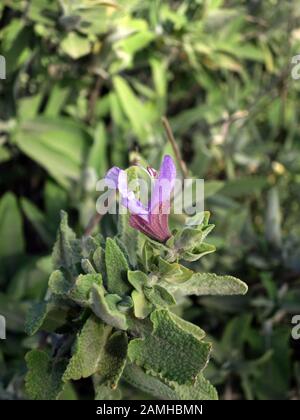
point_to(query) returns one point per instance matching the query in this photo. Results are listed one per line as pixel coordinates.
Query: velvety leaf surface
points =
(161, 388)
(44, 377)
(158, 352)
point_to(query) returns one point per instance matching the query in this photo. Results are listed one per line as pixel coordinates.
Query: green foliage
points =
(161, 388)
(210, 284)
(12, 241)
(158, 352)
(88, 350)
(87, 84)
(43, 380)
(106, 308)
(116, 268)
(66, 252)
(141, 309)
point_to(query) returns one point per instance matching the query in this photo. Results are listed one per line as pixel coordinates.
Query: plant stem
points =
(175, 147)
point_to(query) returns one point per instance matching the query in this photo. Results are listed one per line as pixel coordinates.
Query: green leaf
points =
(57, 98)
(14, 312)
(105, 307)
(83, 286)
(104, 393)
(116, 268)
(99, 259)
(28, 106)
(173, 272)
(244, 186)
(135, 42)
(133, 108)
(198, 252)
(15, 44)
(38, 219)
(55, 199)
(99, 352)
(141, 306)
(167, 390)
(59, 145)
(58, 284)
(138, 279)
(159, 296)
(44, 377)
(210, 284)
(31, 280)
(189, 237)
(88, 350)
(35, 317)
(75, 46)
(97, 155)
(5, 154)
(87, 266)
(212, 187)
(11, 229)
(170, 337)
(273, 218)
(159, 76)
(113, 360)
(45, 315)
(67, 249)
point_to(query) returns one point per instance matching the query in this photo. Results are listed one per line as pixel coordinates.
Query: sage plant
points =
(113, 303)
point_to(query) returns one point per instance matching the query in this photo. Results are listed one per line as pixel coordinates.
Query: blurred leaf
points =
(75, 45)
(58, 145)
(11, 232)
(244, 186)
(38, 220)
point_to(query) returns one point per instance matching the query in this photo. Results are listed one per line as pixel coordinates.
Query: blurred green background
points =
(87, 84)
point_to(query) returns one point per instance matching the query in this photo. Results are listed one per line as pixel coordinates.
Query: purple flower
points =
(152, 220)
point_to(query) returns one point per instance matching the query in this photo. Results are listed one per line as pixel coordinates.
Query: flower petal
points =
(112, 177)
(163, 187)
(128, 198)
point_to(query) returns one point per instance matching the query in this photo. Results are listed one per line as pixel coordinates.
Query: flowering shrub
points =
(113, 304)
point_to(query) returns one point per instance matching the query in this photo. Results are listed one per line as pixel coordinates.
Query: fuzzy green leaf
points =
(173, 272)
(44, 377)
(158, 352)
(45, 315)
(116, 268)
(141, 306)
(83, 285)
(87, 266)
(198, 252)
(138, 279)
(105, 307)
(99, 352)
(99, 259)
(105, 393)
(35, 317)
(89, 350)
(210, 284)
(58, 284)
(159, 296)
(167, 390)
(113, 360)
(67, 249)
